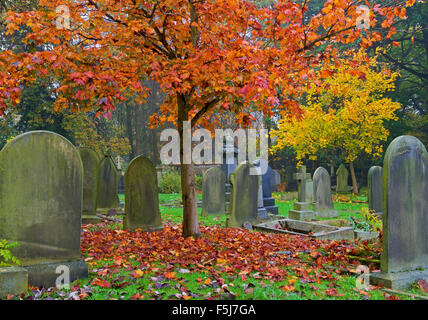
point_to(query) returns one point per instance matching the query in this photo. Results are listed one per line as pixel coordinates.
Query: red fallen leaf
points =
(423, 285)
(332, 292)
(137, 296)
(101, 283)
(169, 275)
(288, 288)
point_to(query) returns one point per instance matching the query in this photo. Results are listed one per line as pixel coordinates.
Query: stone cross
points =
(301, 177)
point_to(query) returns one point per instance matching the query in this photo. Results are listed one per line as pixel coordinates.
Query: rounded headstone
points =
(244, 195)
(141, 196)
(91, 162)
(213, 192)
(41, 197)
(405, 220)
(375, 195)
(108, 182)
(342, 179)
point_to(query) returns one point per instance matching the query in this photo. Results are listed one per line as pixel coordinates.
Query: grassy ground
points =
(224, 263)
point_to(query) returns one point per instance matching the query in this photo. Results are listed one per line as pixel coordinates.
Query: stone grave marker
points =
(141, 196)
(213, 192)
(405, 218)
(322, 188)
(275, 180)
(342, 179)
(291, 183)
(91, 162)
(301, 207)
(108, 183)
(243, 197)
(41, 182)
(375, 195)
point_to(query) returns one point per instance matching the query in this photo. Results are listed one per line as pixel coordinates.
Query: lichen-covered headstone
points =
(141, 196)
(342, 179)
(213, 192)
(405, 218)
(91, 162)
(322, 188)
(41, 180)
(108, 182)
(244, 196)
(375, 185)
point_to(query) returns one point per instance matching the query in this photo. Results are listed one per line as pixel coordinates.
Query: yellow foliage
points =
(346, 111)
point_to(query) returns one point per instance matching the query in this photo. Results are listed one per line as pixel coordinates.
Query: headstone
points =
(261, 211)
(301, 207)
(268, 200)
(275, 180)
(405, 218)
(243, 197)
(291, 183)
(229, 168)
(375, 195)
(213, 192)
(342, 179)
(41, 180)
(322, 188)
(91, 162)
(309, 194)
(121, 187)
(141, 196)
(108, 182)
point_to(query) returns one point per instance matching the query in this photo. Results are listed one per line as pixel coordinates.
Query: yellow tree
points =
(345, 109)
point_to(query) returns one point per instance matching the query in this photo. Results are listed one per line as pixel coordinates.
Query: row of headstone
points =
(44, 189)
(100, 184)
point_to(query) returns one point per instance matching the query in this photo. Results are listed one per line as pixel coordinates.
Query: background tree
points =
(345, 110)
(206, 56)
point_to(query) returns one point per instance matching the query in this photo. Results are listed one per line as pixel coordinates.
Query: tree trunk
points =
(188, 193)
(354, 179)
(137, 123)
(128, 125)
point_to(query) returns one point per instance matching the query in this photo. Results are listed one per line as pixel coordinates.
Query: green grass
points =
(151, 283)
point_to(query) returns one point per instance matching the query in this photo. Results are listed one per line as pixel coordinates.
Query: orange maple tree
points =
(207, 56)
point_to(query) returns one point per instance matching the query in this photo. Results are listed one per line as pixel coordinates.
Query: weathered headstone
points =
(91, 163)
(302, 209)
(243, 197)
(309, 194)
(228, 166)
(268, 200)
(342, 179)
(375, 187)
(405, 218)
(41, 180)
(213, 192)
(141, 196)
(275, 180)
(108, 182)
(121, 187)
(261, 210)
(322, 188)
(291, 183)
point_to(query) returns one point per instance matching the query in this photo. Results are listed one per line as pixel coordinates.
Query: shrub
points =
(170, 182)
(6, 257)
